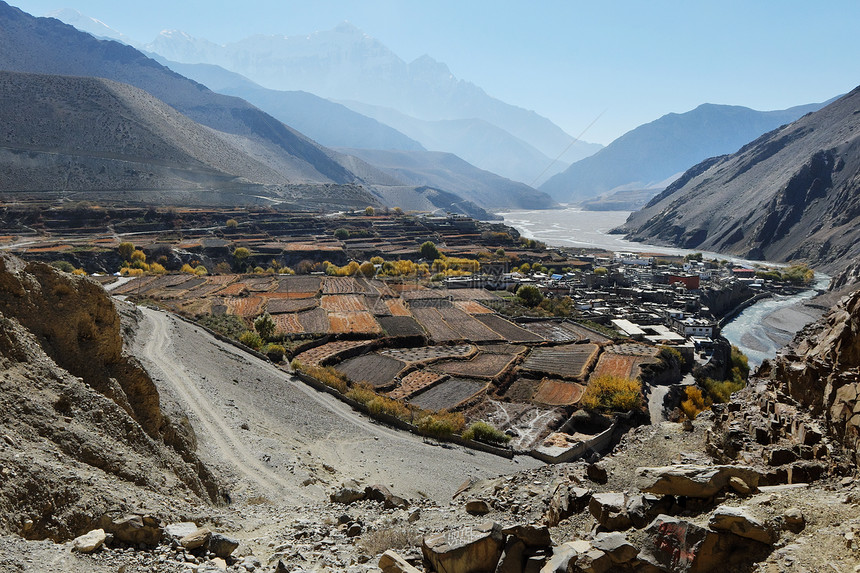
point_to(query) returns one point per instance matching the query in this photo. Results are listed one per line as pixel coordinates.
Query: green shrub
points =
(612, 393)
(720, 391)
(382, 405)
(484, 432)
(362, 393)
(529, 295)
(441, 424)
(275, 352)
(325, 374)
(227, 324)
(251, 339)
(265, 326)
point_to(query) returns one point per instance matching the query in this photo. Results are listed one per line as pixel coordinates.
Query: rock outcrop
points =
(83, 433)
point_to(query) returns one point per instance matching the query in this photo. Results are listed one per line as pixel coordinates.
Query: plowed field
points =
(353, 323)
(282, 305)
(314, 321)
(622, 365)
(428, 353)
(244, 306)
(233, 289)
(309, 284)
(343, 303)
(379, 371)
(400, 326)
(508, 330)
(472, 294)
(558, 393)
(340, 285)
(288, 323)
(551, 330)
(467, 326)
(435, 325)
(396, 307)
(472, 307)
(449, 394)
(568, 361)
(328, 351)
(481, 366)
(414, 382)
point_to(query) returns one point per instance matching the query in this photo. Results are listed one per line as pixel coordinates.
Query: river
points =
(759, 331)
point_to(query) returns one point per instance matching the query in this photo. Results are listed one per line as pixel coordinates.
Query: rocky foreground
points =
(96, 477)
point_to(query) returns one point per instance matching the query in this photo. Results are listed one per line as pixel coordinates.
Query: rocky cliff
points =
(821, 370)
(82, 431)
(790, 195)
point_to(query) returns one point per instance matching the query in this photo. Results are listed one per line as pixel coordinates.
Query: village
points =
(447, 326)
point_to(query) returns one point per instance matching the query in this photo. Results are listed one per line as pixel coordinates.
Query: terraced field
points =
(377, 370)
(396, 307)
(558, 393)
(287, 323)
(552, 330)
(624, 360)
(414, 382)
(353, 323)
(329, 351)
(433, 322)
(343, 303)
(472, 307)
(400, 326)
(427, 353)
(481, 366)
(314, 321)
(448, 395)
(244, 306)
(567, 361)
(507, 329)
(341, 285)
(285, 305)
(299, 283)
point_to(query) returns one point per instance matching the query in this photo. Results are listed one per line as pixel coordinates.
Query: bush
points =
(265, 326)
(612, 393)
(484, 432)
(325, 374)
(275, 352)
(441, 424)
(720, 391)
(529, 295)
(429, 251)
(362, 393)
(382, 405)
(341, 234)
(64, 266)
(251, 339)
(694, 404)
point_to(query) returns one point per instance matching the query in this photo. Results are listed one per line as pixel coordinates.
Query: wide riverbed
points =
(759, 331)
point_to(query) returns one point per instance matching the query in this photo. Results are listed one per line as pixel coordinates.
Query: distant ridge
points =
(668, 146)
(790, 195)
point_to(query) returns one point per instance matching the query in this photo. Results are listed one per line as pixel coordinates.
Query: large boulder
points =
(616, 546)
(222, 545)
(694, 480)
(531, 535)
(89, 542)
(565, 502)
(610, 510)
(133, 529)
(680, 546)
(349, 492)
(564, 556)
(465, 550)
(392, 562)
(739, 521)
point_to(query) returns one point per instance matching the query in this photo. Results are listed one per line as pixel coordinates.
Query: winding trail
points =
(267, 433)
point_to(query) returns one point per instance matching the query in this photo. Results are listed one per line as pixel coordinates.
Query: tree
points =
(429, 251)
(265, 326)
(367, 269)
(232, 223)
(341, 233)
(369, 211)
(125, 250)
(529, 295)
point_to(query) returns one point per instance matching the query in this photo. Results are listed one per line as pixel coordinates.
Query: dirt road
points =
(270, 435)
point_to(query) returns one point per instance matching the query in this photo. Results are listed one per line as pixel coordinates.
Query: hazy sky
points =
(568, 60)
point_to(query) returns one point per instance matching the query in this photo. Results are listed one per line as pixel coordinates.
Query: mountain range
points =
(347, 65)
(645, 157)
(48, 47)
(790, 195)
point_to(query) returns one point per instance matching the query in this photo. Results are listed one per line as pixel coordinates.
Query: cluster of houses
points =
(642, 297)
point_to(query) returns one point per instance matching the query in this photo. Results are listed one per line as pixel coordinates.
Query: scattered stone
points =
(477, 507)
(215, 565)
(740, 522)
(349, 492)
(597, 473)
(465, 550)
(196, 539)
(593, 561)
(133, 529)
(794, 520)
(694, 480)
(221, 545)
(414, 516)
(179, 530)
(251, 563)
(739, 485)
(354, 530)
(564, 556)
(565, 502)
(89, 542)
(391, 562)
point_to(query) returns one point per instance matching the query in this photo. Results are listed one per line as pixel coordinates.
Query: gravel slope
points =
(270, 435)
